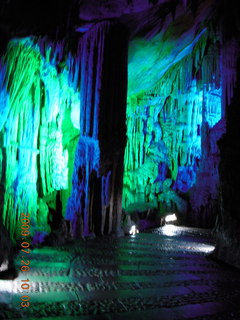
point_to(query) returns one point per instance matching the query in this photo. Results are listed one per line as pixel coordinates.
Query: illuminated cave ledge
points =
(39, 138)
(171, 157)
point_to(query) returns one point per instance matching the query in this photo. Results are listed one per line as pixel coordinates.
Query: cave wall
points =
(171, 157)
(63, 130)
(179, 69)
(38, 137)
(62, 141)
(228, 223)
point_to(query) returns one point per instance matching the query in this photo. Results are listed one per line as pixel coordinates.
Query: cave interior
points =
(120, 108)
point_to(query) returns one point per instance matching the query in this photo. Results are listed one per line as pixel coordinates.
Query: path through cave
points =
(131, 108)
(159, 274)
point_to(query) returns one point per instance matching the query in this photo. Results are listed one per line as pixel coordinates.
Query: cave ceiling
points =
(161, 32)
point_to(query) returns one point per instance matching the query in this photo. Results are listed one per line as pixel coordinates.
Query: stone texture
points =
(148, 275)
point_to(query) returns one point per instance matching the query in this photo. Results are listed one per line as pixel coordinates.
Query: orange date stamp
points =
(24, 255)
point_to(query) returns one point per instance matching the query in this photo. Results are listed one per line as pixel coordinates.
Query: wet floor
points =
(162, 274)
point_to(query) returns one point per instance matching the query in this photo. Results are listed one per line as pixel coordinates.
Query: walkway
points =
(163, 274)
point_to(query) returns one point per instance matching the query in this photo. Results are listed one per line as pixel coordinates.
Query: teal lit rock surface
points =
(119, 104)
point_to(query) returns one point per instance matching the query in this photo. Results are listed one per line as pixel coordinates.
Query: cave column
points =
(227, 247)
(96, 201)
(230, 142)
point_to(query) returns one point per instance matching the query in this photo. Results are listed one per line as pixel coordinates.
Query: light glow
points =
(170, 230)
(205, 248)
(171, 218)
(4, 266)
(6, 286)
(133, 230)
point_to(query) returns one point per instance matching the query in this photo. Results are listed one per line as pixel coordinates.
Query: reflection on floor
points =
(162, 274)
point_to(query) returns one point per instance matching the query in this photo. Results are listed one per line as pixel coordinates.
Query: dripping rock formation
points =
(120, 105)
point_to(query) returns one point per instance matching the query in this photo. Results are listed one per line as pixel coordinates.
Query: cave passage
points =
(163, 274)
(124, 115)
(119, 159)
(86, 132)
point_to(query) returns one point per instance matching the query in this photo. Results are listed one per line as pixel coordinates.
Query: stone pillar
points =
(96, 201)
(228, 239)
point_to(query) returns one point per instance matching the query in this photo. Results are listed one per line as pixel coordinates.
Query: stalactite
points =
(173, 139)
(102, 125)
(4, 97)
(229, 70)
(20, 141)
(36, 97)
(87, 154)
(86, 160)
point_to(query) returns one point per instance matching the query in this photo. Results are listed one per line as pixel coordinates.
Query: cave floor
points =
(160, 274)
